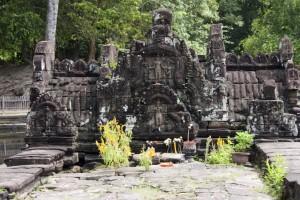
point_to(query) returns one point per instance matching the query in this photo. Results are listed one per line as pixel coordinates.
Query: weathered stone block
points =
(270, 90)
(241, 77)
(237, 93)
(237, 105)
(229, 76)
(243, 92)
(256, 91)
(231, 105)
(216, 125)
(235, 77)
(249, 90)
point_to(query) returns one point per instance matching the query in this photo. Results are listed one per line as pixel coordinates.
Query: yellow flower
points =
(152, 152)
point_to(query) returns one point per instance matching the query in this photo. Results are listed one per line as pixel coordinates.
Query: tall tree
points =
(94, 22)
(51, 20)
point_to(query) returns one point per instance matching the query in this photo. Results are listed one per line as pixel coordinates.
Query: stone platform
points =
(291, 153)
(22, 171)
(181, 181)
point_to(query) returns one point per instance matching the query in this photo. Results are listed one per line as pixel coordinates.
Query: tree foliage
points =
(21, 23)
(107, 21)
(191, 19)
(237, 16)
(278, 18)
(84, 25)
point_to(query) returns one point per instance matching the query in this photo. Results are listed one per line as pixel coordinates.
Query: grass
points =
(150, 191)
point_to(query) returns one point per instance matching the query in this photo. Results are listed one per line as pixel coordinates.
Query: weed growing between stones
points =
(114, 147)
(220, 154)
(2, 190)
(274, 176)
(197, 158)
(147, 191)
(146, 157)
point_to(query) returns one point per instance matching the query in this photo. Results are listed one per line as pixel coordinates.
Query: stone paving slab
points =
(182, 181)
(17, 179)
(35, 156)
(22, 171)
(291, 153)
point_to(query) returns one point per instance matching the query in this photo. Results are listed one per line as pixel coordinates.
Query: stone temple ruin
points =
(158, 89)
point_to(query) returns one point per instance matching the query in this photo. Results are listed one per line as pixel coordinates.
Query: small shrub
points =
(222, 154)
(114, 147)
(244, 141)
(274, 176)
(146, 157)
(2, 190)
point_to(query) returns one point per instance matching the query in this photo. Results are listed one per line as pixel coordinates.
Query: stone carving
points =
(80, 68)
(261, 59)
(292, 79)
(216, 30)
(285, 49)
(159, 87)
(49, 119)
(159, 110)
(46, 49)
(246, 59)
(231, 59)
(265, 117)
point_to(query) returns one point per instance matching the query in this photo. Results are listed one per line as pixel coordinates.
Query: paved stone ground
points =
(182, 181)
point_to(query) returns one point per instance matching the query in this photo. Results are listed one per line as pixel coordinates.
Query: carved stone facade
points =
(161, 87)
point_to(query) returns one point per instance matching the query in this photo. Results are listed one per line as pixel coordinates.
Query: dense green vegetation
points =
(84, 25)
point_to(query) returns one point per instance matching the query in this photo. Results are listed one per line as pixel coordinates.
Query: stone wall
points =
(160, 87)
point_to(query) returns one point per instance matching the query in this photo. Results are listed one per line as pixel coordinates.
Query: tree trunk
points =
(92, 48)
(51, 20)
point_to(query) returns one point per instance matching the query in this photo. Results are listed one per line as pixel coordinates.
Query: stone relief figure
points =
(158, 70)
(159, 110)
(48, 119)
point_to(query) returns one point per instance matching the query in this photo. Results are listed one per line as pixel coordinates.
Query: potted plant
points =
(244, 141)
(189, 147)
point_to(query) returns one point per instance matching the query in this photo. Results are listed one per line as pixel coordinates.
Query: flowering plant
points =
(222, 153)
(146, 157)
(114, 147)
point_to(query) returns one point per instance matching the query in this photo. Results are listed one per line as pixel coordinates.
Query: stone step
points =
(41, 155)
(13, 118)
(33, 157)
(12, 128)
(291, 154)
(20, 178)
(23, 170)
